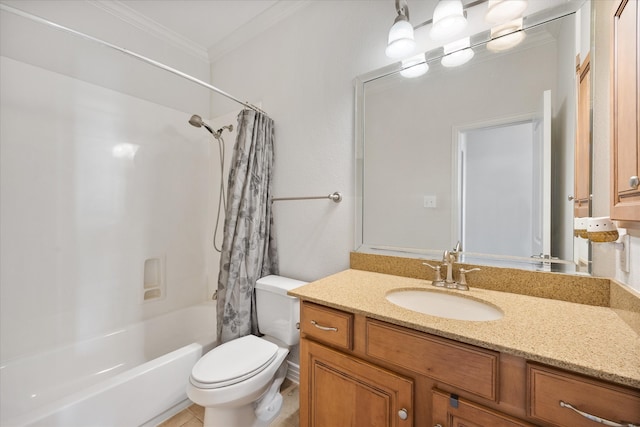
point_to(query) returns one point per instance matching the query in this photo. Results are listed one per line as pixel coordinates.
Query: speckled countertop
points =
(582, 338)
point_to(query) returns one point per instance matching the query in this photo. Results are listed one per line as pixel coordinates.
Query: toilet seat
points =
(233, 362)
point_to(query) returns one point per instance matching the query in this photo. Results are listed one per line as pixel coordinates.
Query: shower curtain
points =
(249, 248)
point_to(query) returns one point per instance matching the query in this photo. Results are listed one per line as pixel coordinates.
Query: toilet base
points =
(243, 416)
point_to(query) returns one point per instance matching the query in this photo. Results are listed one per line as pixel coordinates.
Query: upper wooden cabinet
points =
(625, 142)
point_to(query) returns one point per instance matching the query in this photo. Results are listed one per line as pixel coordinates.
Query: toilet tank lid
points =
(278, 284)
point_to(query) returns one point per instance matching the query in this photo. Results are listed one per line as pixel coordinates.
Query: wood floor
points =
(289, 416)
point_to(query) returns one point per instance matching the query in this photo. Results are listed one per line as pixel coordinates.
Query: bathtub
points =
(129, 377)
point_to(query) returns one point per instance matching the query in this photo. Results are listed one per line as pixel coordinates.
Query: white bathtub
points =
(122, 379)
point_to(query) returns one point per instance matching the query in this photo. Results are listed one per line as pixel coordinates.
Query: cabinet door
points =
(339, 390)
(624, 122)
(451, 411)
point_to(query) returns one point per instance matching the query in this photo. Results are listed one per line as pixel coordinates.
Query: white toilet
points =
(238, 382)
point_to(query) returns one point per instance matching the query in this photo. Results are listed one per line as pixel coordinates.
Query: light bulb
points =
(414, 66)
(500, 11)
(457, 53)
(400, 42)
(506, 36)
(448, 19)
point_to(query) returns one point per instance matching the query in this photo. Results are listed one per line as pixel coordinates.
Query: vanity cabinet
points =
(548, 387)
(339, 390)
(453, 411)
(625, 133)
(345, 391)
(358, 371)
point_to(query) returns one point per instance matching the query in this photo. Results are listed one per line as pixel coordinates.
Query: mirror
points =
(481, 154)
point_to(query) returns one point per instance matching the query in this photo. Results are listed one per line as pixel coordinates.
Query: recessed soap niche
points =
(153, 283)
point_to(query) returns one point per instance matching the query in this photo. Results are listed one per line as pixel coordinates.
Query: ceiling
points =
(211, 26)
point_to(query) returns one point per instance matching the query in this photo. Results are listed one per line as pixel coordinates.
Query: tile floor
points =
(289, 416)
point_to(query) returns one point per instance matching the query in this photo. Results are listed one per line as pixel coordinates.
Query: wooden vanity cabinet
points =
(625, 112)
(454, 411)
(547, 387)
(340, 390)
(357, 371)
(337, 389)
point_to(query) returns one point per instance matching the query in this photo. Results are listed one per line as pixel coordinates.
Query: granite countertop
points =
(586, 339)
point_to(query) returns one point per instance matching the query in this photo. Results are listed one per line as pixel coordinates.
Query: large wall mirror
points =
(482, 154)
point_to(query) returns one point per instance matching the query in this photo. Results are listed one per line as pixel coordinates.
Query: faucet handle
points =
(462, 282)
(438, 280)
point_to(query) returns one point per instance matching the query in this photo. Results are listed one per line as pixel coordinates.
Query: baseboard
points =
(159, 419)
(293, 373)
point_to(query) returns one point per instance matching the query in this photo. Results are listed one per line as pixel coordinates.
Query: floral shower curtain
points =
(249, 247)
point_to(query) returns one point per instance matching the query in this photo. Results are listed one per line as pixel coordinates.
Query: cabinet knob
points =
(438, 425)
(403, 414)
(634, 182)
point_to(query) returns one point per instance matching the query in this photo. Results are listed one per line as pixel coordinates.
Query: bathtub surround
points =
(99, 173)
(249, 249)
(92, 183)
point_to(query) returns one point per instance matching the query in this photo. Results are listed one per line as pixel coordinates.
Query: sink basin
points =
(442, 304)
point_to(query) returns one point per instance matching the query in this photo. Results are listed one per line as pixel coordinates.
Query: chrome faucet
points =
(448, 258)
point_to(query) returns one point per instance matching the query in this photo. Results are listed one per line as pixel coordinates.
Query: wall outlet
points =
(430, 202)
(625, 253)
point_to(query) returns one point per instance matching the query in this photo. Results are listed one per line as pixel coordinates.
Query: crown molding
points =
(270, 17)
(125, 13)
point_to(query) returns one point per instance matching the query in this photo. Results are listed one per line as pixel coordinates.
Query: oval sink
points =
(445, 305)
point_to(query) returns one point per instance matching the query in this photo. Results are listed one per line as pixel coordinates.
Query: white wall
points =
(98, 174)
(302, 71)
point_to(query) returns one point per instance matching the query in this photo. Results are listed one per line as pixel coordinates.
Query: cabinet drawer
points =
(328, 325)
(460, 365)
(547, 387)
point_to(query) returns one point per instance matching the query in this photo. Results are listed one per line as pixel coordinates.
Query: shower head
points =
(197, 121)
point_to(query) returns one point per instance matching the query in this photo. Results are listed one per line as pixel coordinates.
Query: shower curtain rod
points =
(128, 52)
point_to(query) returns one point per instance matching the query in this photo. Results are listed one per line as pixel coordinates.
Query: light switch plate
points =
(430, 202)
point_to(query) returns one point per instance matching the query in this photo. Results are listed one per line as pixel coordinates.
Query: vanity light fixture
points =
(414, 66)
(448, 19)
(457, 53)
(500, 11)
(400, 42)
(506, 36)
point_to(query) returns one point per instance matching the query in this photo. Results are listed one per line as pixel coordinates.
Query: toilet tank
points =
(278, 313)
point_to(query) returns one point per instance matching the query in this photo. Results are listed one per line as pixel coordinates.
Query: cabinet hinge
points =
(453, 400)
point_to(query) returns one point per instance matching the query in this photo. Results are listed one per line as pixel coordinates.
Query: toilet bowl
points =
(238, 382)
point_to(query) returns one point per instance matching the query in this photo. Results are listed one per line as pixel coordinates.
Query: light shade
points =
(506, 36)
(500, 11)
(448, 19)
(414, 66)
(457, 53)
(400, 43)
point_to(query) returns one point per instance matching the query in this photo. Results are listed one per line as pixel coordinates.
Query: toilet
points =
(238, 382)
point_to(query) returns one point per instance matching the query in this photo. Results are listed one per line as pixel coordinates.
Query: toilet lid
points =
(233, 361)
